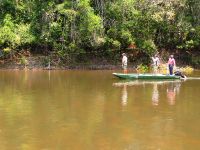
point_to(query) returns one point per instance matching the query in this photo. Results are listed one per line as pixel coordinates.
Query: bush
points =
(113, 44)
(196, 61)
(148, 47)
(23, 61)
(126, 38)
(187, 69)
(142, 68)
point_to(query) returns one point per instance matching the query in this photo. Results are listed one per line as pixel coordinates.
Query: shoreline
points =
(72, 67)
(36, 63)
(78, 67)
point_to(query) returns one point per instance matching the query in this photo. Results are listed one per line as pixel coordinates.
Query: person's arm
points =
(174, 65)
(158, 62)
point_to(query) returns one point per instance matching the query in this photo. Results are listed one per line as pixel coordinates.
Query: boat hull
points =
(133, 76)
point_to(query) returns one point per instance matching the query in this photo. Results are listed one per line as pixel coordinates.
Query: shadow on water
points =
(172, 88)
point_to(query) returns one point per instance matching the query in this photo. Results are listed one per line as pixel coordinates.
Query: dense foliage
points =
(73, 29)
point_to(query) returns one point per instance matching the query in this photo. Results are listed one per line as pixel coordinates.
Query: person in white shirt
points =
(124, 62)
(156, 63)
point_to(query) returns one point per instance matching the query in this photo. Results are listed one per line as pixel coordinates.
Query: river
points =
(92, 110)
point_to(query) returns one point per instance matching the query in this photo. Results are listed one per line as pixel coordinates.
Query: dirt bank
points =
(42, 63)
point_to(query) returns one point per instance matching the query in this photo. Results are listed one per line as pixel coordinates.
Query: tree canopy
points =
(101, 27)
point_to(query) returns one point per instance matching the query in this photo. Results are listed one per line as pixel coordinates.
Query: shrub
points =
(148, 47)
(142, 68)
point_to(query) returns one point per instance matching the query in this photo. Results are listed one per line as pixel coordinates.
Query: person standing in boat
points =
(156, 63)
(171, 64)
(124, 62)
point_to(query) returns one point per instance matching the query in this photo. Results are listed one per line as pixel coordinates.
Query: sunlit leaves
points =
(13, 35)
(24, 34)
(90, 23)
(63, 25)
(7, 32)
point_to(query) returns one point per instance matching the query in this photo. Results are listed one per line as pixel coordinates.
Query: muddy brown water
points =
(92, 110)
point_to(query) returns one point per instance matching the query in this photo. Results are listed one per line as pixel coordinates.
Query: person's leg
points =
(154, 69)
(170, 70)
(125, 70)
(158, 71)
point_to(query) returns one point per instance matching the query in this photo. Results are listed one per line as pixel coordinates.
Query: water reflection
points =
(124, 95)
(155, 94)
(172, 89)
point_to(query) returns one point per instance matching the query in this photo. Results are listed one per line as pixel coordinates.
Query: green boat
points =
(145, 76)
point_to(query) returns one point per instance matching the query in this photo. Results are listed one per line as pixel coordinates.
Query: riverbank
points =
(40, 62)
